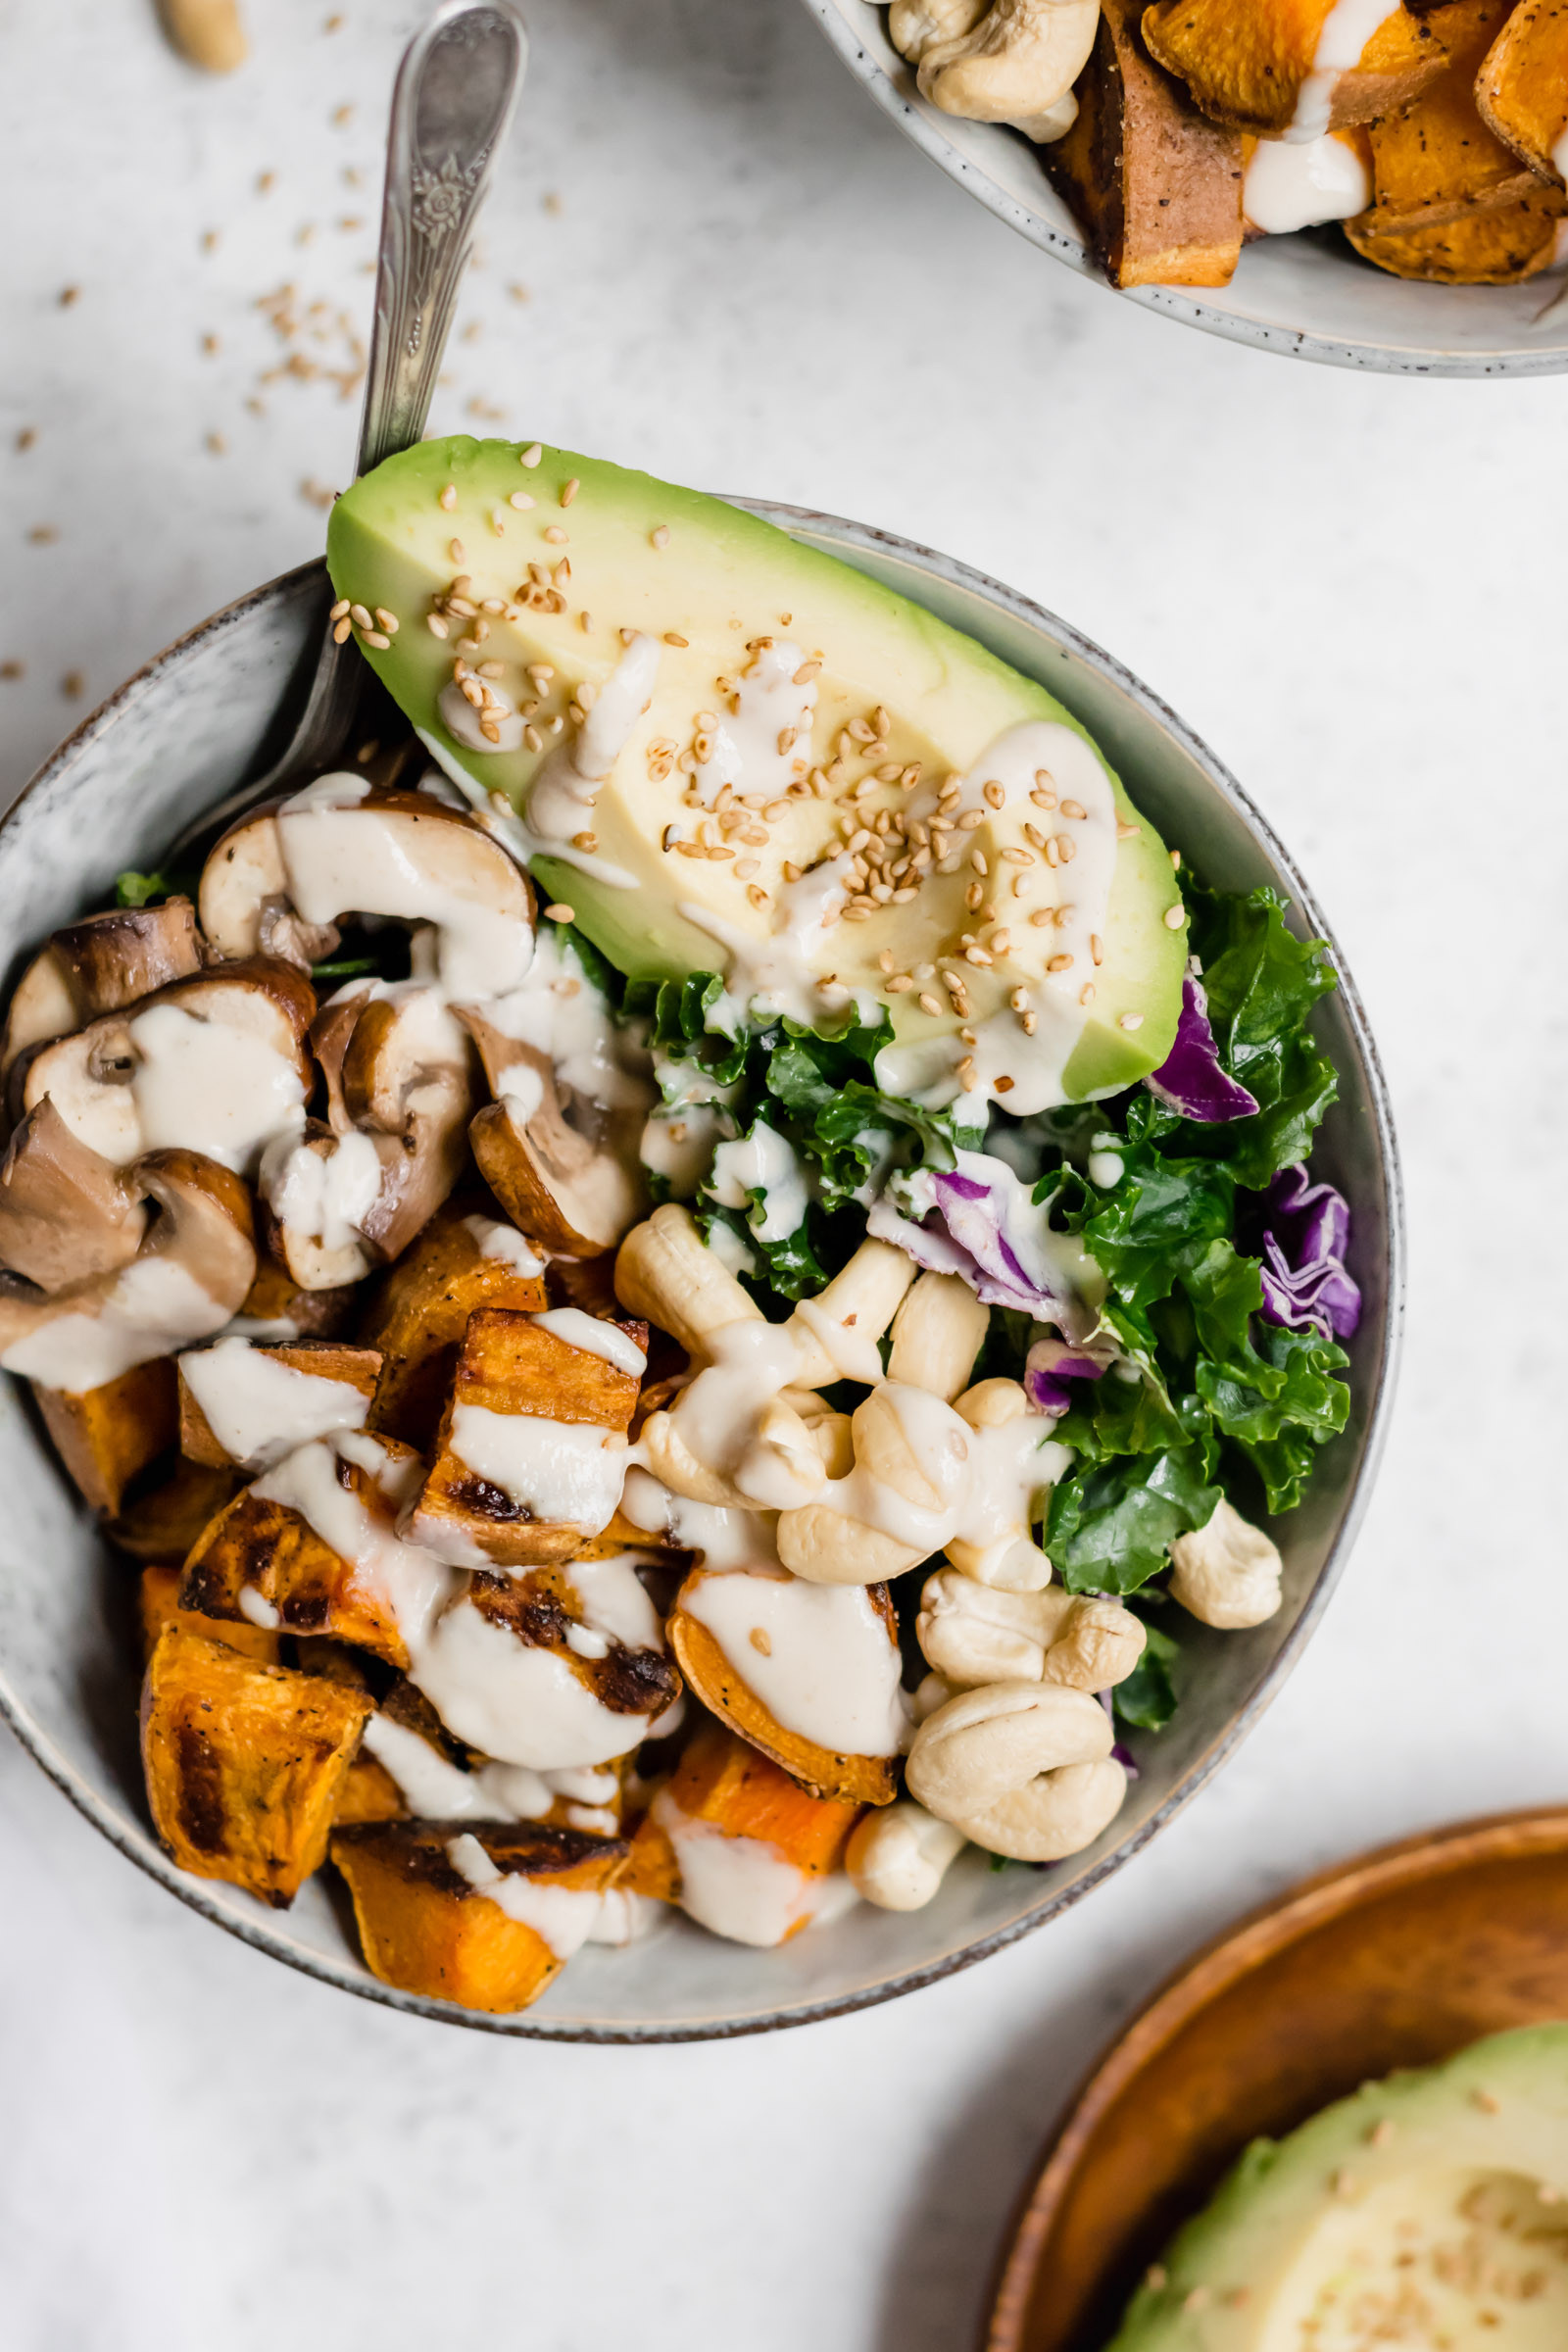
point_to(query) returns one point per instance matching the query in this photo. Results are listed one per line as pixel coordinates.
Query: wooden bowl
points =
(1397, 1958)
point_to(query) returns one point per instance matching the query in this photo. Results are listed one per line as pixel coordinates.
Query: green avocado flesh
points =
(1428, 2210)
(561, 589)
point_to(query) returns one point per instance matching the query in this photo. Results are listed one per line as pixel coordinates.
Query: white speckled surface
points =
(1351, 587)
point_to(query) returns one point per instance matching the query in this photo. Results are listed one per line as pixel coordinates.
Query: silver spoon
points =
(452, 106)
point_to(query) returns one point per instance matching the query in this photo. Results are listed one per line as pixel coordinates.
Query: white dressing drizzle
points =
(1347, 29)
(519, 1705)
(569, 1471)
(742, 1887)
(322, 1196)
(506, 1243)
(563, 1016)
(826, 1667)
(726, 1538)
(1293, 183)
(983, 1482)
(568, 780)
(210, 1086)
(562, 1916)
(259, 1409)
(596, 1337)
(154, 1308)
(764, 1162)
(465, 722)
(764, 742)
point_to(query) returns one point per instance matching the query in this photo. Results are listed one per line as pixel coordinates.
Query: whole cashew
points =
(779, 1468)
(836, 1332)
(1226, 1573)
(933, 1691)
(665, 1272)
(913, 24)
(974, 1634)
(1023, 1769)
(1017, 65)
(1021, 1567)
(937, 1334)
(899, 1854)
(834, 1543)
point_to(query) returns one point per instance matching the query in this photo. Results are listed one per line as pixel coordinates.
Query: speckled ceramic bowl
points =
(171, 742)
(1308, 296)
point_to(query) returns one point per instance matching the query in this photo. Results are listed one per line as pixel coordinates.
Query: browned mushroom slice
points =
(314, 1192)
(216, 1064)
(421, 1310)
(760, 1648)
(577, 1189)
(65, 1212)
(99, 965)
(248, 1405)
(341, 847)
(262, 1562)
(531, 1451)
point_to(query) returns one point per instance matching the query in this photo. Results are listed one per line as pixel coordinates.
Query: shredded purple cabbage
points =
(1191, 1079)
(1306, 1281)
(1049, 1367)
(977, 1220)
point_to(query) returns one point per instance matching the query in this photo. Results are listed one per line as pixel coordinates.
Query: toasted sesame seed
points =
(1126, 832)
(1053, 852)
(1176, 860)
(489, 730)
(1097, 947)
(1195, 2299)
(977, 955)
(555, 534)
(449, 497)
(1019, 1000)
(378, 638)
(586, 842)
(978, 862)
(534, 739)
(530, 455)
(1486, 2100)
(1130, 1020)
(1382, 2132)
(927, 1002)
(339, 608)
(343, 630)
(1019, 856)
(672, 638)
(1042, 915)
(1001, 942)
(1156, 2277)
(1086, 995)
(522, 500)
(661, 537)
(569, 490)
(560, 913)
(435, 624)
(1028, 1023)
(757, 893)
(971, 818)
(858, 911)
(360, 613)
(1058, 964)
(1175, 917)
(455, 550)
(968, 1077)
(1072, 808)
(1067, 849)
(386, 620)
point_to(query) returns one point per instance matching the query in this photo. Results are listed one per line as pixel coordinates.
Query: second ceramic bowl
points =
(169, 744)
(1308, 296)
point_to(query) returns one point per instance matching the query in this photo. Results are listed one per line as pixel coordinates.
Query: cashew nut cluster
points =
(1024, 1769)
(972, 1634)
(1227, 1574)
(1013, 61)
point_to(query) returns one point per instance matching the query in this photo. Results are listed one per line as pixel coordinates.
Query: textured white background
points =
(737, 275)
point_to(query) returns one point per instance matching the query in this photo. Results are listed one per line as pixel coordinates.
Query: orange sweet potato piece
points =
(722, 1780)
(1496, 248)
(511, 1365)
(427, 1930)
(158, 1602)
(1522, 88)
(650, 1867)
(1155, 185)
(419, 1313)
(368, 1794)
(723, 1689)
(275, 1296)
(107, 1436)
(1246, 60)
(1437, 160)
(540, 1608)
(244, 1762)
(268, 1547)
(355, 1367)
(164, 1521)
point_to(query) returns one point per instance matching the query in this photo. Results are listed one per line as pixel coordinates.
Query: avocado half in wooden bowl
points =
(169, 745)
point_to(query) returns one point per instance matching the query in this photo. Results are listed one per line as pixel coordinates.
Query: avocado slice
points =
(1404, 2213)
(733, 753)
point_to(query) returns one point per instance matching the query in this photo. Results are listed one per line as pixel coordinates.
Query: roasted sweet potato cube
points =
(1436, 161)
(1155, 185)
(1249, 63)
(1522, 88)
(327, 1360)
(158, 1600)
(1496, 248)
(107, 1436)
(421, 1310)
(427, 1928)
(244, 1762)
(162, 1521)
(541, 1608)
(260, 1555)
(650, 1867)
(722, 1780)
(521, 1476)
(713, 1678)
(368, 1794)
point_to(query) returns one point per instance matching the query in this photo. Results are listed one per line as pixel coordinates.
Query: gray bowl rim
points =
(922, 124)
(140, 1848)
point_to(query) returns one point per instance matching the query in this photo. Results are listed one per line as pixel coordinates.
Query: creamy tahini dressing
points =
(764, 743)
(741, 1888)
(761, 1162)
(679, 1143)
(210, 1086)
(337, 856)
(826, 1667)
(595, 1336)
(407, 1579)
(503, 1243)
(726, 1538)
(569, 1471)
(259, 1409)
(519, 1705)
(717, 1414)
(983, 1483)
(465, 724)
(154, 1308)
(1292, 183)
(570, 779)
(925, 1069)
(1347, 29)
(562, 1916)
(322, 1196)
(563, 1016)
(776, 975)
(435, 1790)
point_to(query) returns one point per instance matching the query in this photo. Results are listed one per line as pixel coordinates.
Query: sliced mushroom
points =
(99, 965)
(66, 1213)
(193, 1269)
(576, 1189)
(153, 1077)
(288, 872)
